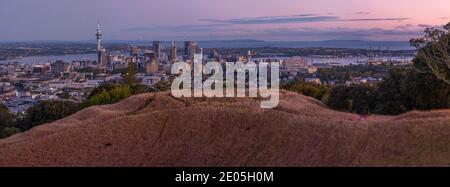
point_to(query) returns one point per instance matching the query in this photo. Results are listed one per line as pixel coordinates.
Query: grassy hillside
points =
(158, 130)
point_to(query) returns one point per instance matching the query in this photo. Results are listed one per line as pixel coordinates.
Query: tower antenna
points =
(99, 35)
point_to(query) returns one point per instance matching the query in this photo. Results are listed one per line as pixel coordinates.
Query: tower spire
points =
(99, 35)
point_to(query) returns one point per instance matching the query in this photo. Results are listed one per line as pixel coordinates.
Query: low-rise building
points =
(313, 80)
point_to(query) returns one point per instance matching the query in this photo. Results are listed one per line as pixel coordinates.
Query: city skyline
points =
(285, 20)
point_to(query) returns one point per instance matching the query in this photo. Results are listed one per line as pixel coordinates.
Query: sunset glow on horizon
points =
(284, 20)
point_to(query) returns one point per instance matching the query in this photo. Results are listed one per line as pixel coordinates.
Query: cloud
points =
(423, 25)
(313, 34)
(362, 13)
(375, 19)
(178, 28)
(302, 18)
(341, 33)
(407, 26)
(307, 34)
(235, 28)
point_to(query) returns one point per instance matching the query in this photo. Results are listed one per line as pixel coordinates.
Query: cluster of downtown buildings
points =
(24, 84)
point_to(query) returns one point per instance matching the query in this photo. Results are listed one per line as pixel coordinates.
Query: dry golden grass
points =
(158, 130)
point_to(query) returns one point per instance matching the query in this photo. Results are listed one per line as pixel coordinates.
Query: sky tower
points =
(99, 36)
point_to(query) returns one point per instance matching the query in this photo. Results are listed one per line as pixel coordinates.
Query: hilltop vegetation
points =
(423, 86)
(159, 130)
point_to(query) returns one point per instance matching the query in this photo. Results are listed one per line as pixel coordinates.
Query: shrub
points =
(47, 112)
(109, 94)
(6, 118)
(309, 89)
(9, 131)
(359, 99)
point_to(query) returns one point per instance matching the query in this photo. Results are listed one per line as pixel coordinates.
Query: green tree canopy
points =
(6, 118)
(309, 89)
(46, 112)
(359, 99)
(108, 94)
(129, 76)
(434, 52)
(392, 98)
(9, 131)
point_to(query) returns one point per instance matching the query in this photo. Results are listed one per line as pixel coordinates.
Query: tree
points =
(392, 99)
(47, 112)
(309, 89)
(6, 118)
(64, 95)
(129, 77)
(9, 131)
(119, 93)
(434, 52)
(164, 85)
(425, 91)
(140, 89)
(109, 94)
(339, 99)
(103, 87)
(359, 99)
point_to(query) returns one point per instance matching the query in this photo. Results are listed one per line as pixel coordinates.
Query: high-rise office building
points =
(150, 55)
(58, 67)
(190, 48)
(152, 66)
(134, 50)
(187, 48)
(102, 58)
(157, 49)
(173, 55)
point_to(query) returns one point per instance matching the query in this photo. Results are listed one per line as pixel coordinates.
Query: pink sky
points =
(220, 19)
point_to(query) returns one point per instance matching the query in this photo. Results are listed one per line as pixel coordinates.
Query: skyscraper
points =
(134, 50)
(194, 49)
(58, 67)
(187, 48)
(190, 48)
(99, 36)
(157, 49)
(102, 57)
(173, 55)
(150, 55)
(152, 66)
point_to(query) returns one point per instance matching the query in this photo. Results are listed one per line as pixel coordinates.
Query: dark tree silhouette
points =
(434, 52)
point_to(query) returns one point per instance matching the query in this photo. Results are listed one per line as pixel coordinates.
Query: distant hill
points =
(349, 44)
(159, 130)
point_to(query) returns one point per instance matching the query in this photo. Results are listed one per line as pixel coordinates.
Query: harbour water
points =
(53, 58)
(93, 57)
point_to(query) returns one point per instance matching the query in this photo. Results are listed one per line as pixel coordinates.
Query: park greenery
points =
(404, 90)
(425, 85)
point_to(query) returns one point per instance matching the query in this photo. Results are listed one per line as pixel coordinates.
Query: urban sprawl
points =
(22, 85)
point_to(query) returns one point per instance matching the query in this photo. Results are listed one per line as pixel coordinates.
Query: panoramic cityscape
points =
(97, 84)
(73, 77)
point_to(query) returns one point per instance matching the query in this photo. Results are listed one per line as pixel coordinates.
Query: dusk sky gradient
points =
(282, 20)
